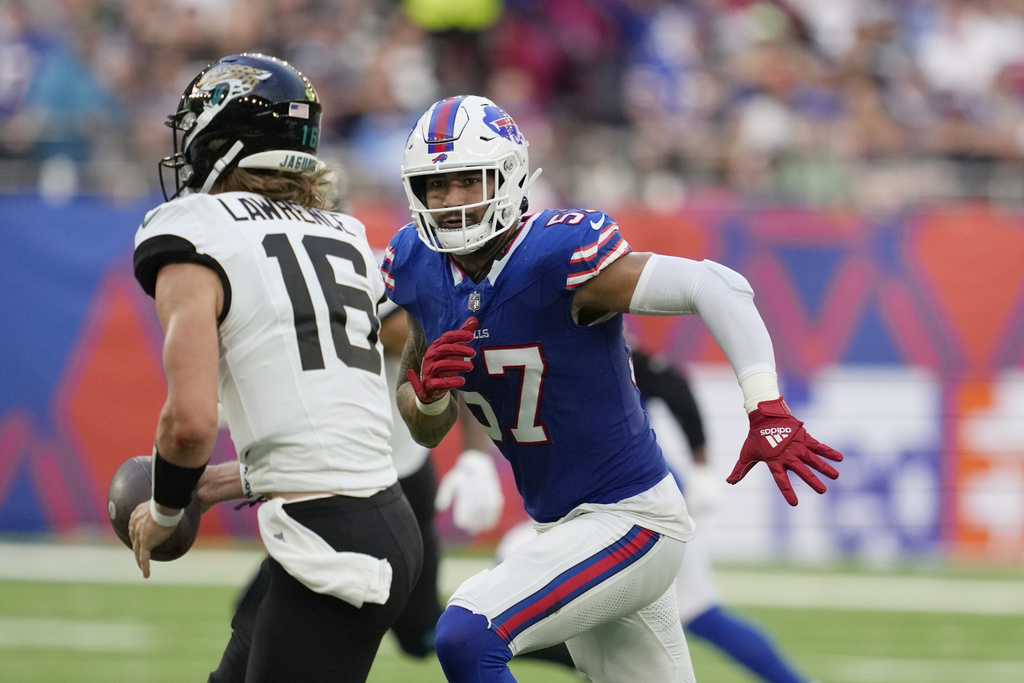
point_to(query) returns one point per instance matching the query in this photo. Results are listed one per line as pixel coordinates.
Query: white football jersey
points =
(301, 371)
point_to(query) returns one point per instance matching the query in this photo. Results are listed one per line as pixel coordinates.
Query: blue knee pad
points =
(468, 651)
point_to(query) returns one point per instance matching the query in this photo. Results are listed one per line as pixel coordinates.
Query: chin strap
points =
(533, 177)
(222, 163)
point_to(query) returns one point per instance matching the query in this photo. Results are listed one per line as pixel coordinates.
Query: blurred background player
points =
(523, 316)
(700, 604)
(239, 262)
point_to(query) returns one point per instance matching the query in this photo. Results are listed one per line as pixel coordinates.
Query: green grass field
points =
(59, 632)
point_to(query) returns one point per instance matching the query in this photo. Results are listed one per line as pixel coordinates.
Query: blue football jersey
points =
(556, 397)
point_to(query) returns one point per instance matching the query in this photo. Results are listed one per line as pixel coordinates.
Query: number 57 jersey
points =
(300, 377)
(556, 396)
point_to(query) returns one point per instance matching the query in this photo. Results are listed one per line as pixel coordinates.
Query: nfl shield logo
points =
(474, 301)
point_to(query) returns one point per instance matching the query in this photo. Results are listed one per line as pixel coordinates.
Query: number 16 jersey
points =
(300, 375)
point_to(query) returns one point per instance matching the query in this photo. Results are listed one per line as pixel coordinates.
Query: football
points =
(131, 485)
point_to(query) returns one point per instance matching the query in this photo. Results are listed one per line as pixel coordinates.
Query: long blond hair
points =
(314, 190)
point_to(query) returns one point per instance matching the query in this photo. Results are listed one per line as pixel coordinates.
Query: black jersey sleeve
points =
(656, 378)
(156, 252)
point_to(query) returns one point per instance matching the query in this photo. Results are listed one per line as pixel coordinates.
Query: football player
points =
(268, 300)
(523, 315)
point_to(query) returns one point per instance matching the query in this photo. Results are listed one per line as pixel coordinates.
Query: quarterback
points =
(268, 301)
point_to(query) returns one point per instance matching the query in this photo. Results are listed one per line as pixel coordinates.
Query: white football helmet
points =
(465, 133)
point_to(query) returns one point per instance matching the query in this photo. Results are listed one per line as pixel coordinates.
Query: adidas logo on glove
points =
(790, 449)
(776, 435)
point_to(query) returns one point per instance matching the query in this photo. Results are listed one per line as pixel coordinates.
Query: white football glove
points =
(475, 488)
(703, 491)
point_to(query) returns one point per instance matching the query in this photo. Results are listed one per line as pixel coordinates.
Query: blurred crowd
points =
(661, 102)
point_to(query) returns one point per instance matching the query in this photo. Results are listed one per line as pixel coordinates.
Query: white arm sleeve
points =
(723, 298)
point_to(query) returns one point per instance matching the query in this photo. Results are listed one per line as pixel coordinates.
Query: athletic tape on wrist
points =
(173, 484)
(162, 519)
(435, 408)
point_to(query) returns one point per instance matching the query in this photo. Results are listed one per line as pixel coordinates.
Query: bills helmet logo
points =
(440, 158)
(501, 123)
(474, 301)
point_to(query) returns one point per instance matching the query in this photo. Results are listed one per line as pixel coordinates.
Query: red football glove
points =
(443, 362)
(780, 440)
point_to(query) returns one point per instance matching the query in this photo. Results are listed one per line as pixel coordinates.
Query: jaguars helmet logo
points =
(227, 81)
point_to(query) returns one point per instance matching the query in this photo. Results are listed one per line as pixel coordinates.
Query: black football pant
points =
(282, 631)
(414, 629)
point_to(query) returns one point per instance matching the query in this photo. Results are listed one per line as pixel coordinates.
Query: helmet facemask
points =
(180, 123)
(497, 215)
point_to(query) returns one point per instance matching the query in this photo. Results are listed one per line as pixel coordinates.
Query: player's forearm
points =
(186, 440)
(185, 437)
(474, 436)
(219, 483)
(426, 429)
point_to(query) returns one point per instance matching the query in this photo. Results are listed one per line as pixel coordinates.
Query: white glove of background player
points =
(475, 488)
(702, 489)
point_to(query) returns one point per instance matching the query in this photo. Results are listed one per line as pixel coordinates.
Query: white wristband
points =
(760, 386)
(162, 519)
(435, 408)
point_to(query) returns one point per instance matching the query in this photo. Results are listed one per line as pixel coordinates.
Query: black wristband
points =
(173, 484)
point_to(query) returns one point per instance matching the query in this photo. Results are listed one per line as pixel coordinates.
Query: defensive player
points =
(523, 314)
(268, 300)
(700, 603)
